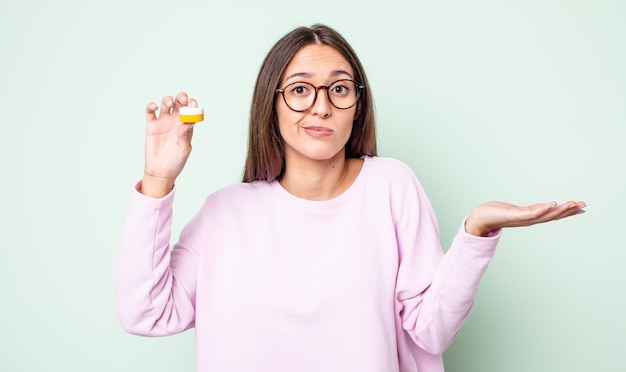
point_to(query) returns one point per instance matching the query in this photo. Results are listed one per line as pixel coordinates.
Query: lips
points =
(318, 132)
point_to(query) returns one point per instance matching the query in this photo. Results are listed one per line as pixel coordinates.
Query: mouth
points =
(316, 131)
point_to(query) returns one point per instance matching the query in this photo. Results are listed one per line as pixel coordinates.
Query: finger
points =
(193, 102)
(537, 212)
(151, 111)
(575, 208)
(186, 132)
(166, 105)
(180, 101)
(543, 206)
(567, 209)
(566, 214)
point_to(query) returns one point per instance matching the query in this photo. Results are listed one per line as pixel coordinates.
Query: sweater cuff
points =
(488, 242)
(143, 201)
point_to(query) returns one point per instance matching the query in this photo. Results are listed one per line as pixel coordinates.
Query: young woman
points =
(326, 257)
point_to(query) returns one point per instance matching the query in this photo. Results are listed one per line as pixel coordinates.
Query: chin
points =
(326, 156)
(318, 155)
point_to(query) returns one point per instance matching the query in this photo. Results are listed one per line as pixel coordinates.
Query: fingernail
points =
(183, 100)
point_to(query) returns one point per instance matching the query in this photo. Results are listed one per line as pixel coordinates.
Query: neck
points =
(319, 180)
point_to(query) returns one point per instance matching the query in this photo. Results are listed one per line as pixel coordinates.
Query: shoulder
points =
(407, 198)
(390, 169)
(396, 177)
(239, 194)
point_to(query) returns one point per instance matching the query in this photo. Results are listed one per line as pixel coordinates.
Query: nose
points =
(321, 106)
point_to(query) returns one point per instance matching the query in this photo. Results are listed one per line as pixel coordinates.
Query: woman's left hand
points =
(495, 215)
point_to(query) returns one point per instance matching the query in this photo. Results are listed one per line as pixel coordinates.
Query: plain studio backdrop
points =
(521, 101)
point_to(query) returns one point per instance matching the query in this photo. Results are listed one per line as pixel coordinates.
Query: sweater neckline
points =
(339, 200)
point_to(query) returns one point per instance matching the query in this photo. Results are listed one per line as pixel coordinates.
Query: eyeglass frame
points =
(359, 88)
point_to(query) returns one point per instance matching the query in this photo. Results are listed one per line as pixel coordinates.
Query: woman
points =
(326, 257)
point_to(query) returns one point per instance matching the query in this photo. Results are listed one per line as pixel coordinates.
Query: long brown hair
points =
(266, 156)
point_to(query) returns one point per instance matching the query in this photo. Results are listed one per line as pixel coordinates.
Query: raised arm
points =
(155, 286)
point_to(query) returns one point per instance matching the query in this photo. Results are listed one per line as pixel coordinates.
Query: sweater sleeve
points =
(154, 286)
(435, 292)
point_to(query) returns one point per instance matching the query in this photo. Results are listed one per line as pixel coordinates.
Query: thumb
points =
(185, 132)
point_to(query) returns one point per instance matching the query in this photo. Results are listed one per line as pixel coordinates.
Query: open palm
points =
(495, 215)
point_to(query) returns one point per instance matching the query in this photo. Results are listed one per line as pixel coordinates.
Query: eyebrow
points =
(335, 73)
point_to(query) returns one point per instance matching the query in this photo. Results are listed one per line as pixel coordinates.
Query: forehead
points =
(317, 61)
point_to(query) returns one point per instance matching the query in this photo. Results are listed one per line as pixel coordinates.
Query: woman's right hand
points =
(168, 145)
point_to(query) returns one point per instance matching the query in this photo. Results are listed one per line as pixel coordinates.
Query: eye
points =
(299, 89)
(341, 88)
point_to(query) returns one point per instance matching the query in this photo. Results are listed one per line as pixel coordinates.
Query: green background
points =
(521, 101)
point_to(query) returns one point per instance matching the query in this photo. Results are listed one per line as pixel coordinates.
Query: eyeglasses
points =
(301, 96)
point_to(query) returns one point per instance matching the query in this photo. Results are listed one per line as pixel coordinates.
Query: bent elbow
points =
(435, 348)
(434, 340)
(150, 324)
(136, 324)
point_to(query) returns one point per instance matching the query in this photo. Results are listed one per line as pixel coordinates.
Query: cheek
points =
(350, 118)
(281, 113)
(288, 118)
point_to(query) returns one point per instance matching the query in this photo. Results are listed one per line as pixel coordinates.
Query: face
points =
(321, 132)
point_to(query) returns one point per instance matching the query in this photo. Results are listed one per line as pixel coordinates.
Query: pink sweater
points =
(272, 282)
